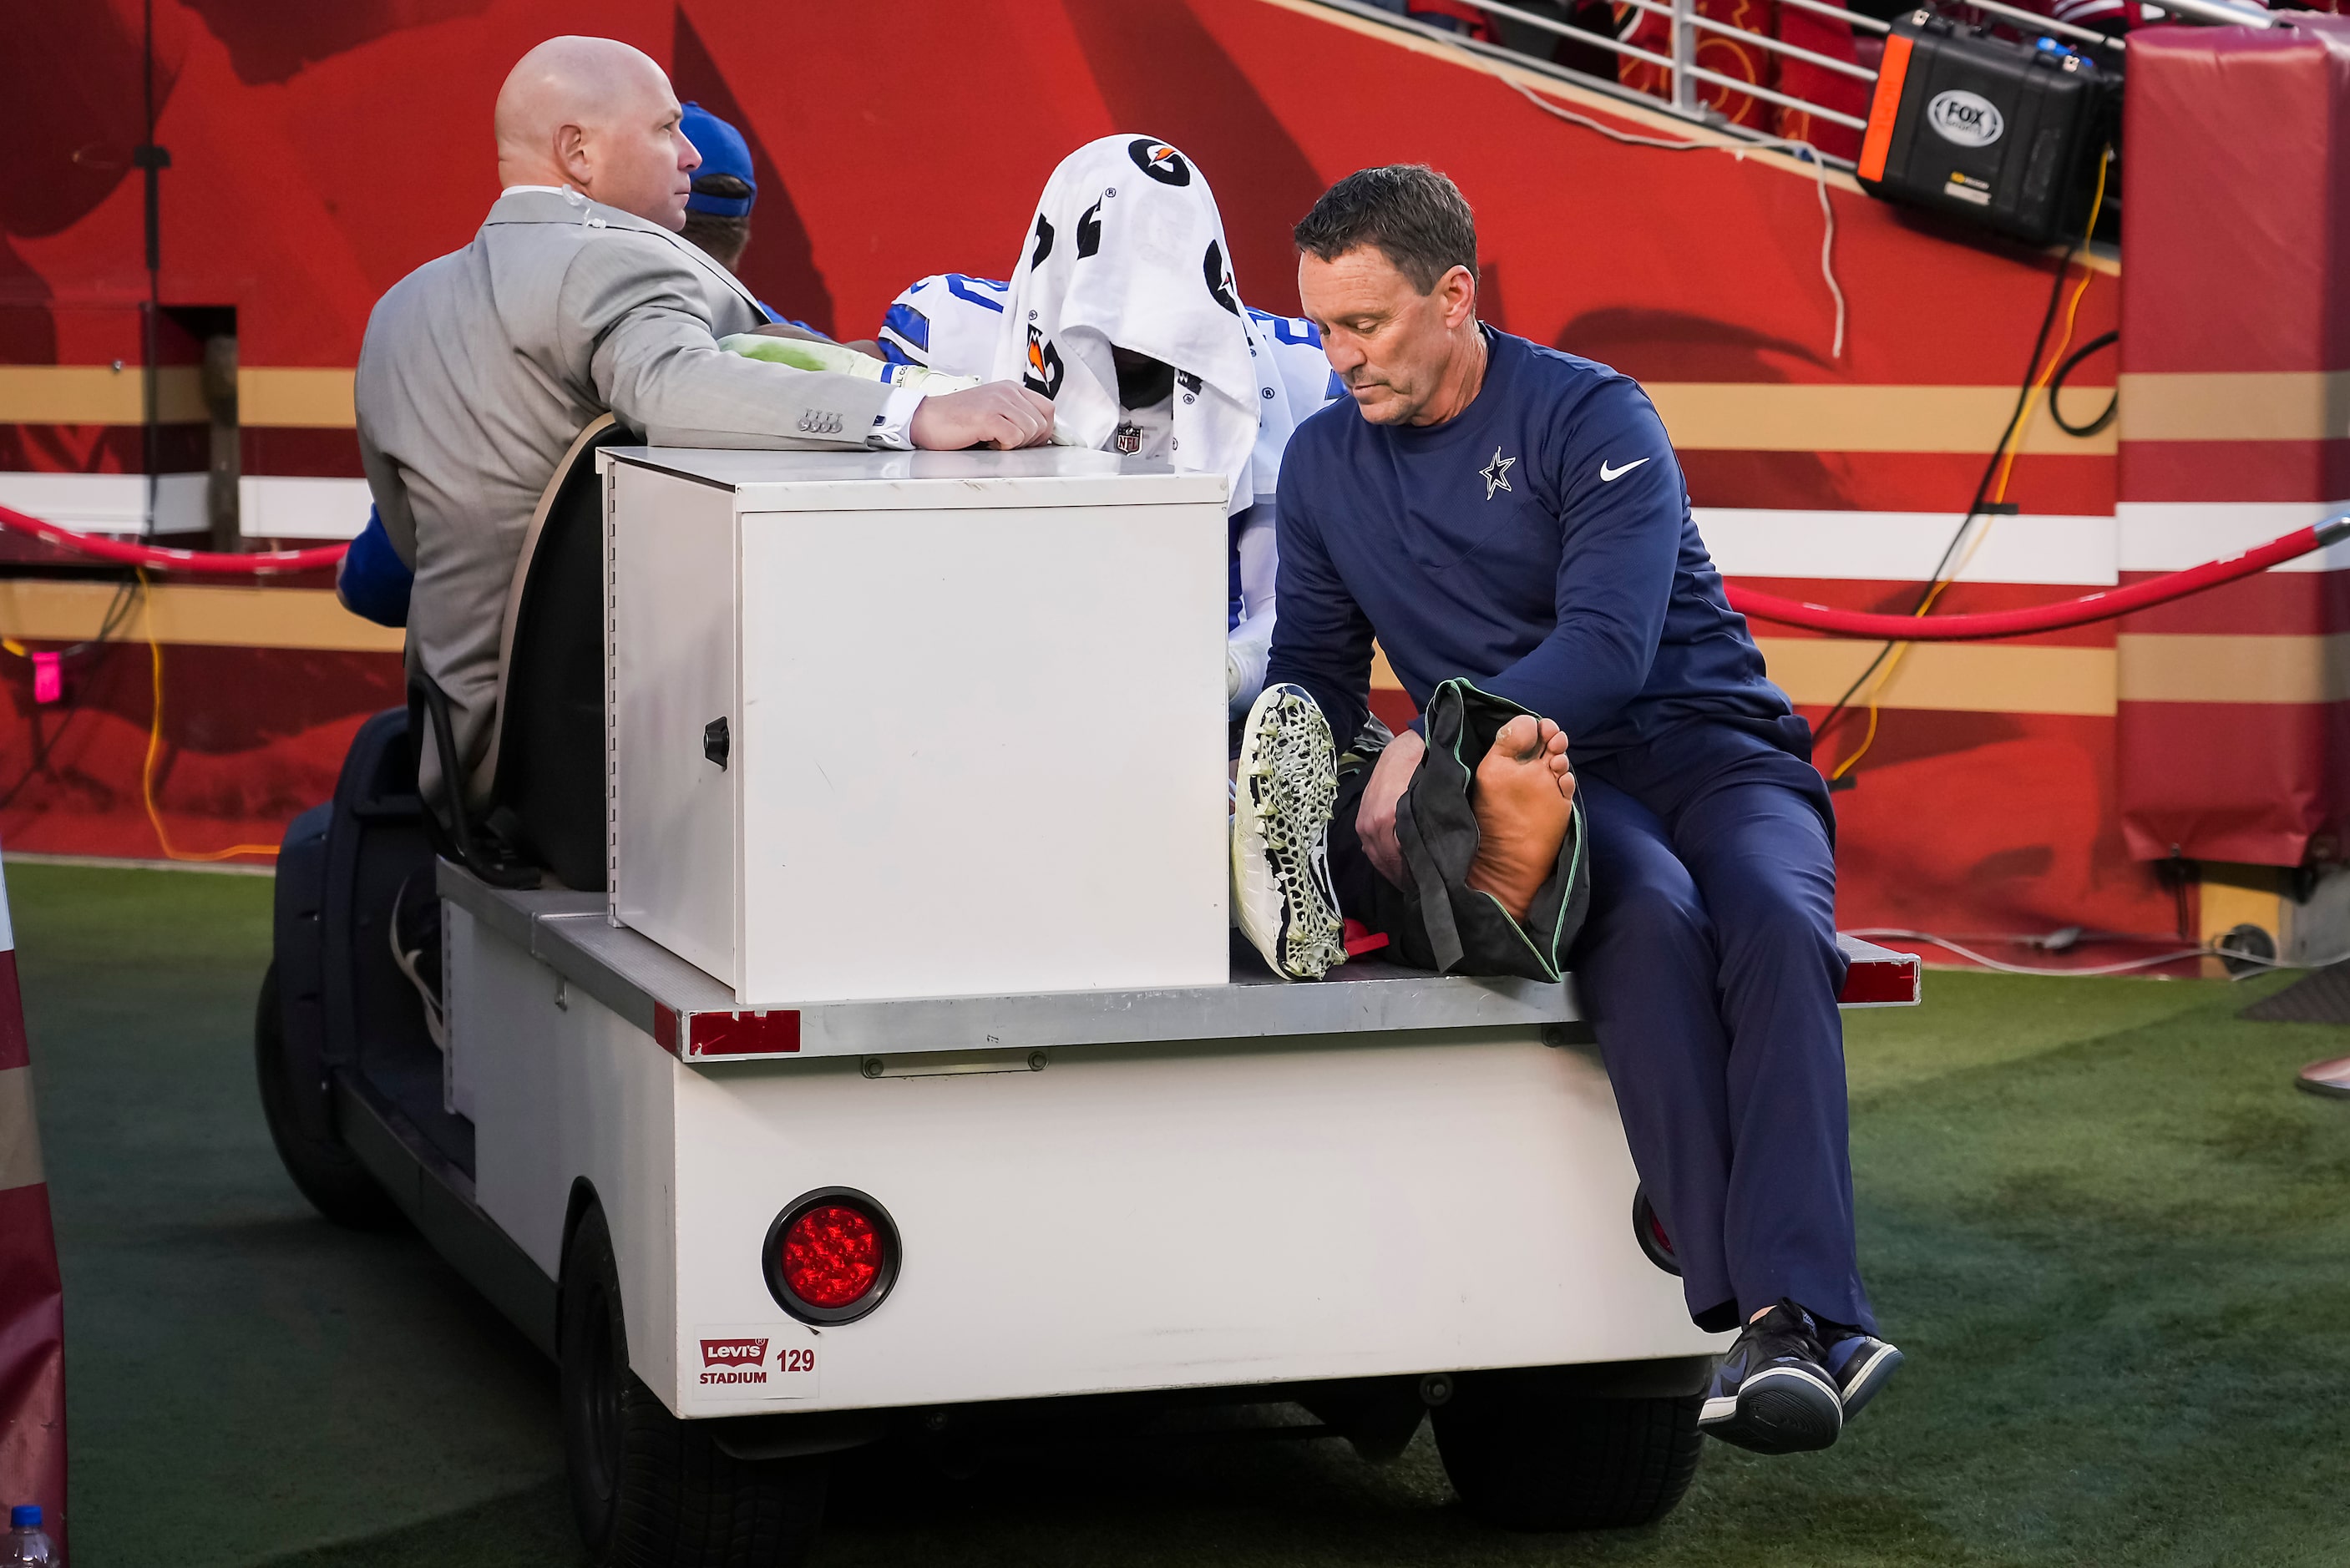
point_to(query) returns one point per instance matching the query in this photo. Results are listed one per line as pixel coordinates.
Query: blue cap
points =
(723, 152)
(25, 1516)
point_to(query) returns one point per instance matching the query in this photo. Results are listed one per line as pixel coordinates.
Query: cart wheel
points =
(646, 1488)
(1525, 1453)
(337, 1185)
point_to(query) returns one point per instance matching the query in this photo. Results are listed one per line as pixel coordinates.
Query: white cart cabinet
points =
(899, 724)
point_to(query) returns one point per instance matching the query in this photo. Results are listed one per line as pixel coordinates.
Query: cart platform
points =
(696, 1018)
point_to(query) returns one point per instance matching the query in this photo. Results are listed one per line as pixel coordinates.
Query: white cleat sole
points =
(1288, 783)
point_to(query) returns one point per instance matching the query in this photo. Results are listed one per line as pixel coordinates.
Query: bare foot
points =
(1524, 798)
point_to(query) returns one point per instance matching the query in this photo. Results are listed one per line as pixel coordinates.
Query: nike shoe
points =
(1860, 1364)
(1773, 1392)
(1286, 783)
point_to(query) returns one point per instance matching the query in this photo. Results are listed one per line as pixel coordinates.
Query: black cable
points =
(2056, 385)
(1983, 488)
(115, 609)
(150, 161)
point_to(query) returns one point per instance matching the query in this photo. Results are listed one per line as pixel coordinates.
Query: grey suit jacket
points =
(480, 367)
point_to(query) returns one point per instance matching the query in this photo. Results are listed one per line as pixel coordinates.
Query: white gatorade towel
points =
(1127, 247)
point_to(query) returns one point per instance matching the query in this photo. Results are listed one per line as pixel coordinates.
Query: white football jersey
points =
(949, 322)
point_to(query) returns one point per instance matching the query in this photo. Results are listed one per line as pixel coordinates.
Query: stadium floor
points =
(2111, 1237)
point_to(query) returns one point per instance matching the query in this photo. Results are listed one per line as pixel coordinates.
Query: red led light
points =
(831, 1255)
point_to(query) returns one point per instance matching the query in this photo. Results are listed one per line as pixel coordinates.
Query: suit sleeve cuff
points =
(893, 427)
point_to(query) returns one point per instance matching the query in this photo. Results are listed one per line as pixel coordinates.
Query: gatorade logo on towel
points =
(1045, 368)
(1220, 279)
(1159, 160)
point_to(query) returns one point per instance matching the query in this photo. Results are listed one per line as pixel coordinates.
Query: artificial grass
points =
(2111, 1237)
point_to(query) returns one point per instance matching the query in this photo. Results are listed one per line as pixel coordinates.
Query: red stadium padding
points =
(260, 564)
(32, 1300)
(2234, 347)
(2080, 611)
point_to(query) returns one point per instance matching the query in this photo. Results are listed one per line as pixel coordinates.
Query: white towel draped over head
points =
(1126, 248)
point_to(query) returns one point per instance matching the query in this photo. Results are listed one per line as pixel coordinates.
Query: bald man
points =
(578, 297)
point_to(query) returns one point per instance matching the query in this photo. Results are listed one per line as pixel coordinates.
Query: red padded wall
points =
(2234, 740)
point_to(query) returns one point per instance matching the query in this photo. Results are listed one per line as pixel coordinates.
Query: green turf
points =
(2112, 1239)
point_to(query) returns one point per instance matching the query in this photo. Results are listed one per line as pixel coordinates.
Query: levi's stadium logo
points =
(734, 1352)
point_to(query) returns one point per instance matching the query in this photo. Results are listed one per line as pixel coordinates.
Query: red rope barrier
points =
(1825, 619)
(2080, 611)
(219, 563)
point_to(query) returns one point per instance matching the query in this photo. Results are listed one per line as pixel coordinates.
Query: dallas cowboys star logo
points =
(1496, 473)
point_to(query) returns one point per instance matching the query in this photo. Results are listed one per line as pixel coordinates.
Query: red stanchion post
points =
(32, 1301)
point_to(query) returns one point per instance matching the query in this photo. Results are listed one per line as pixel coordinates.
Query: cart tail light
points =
(831, 1256)
(1649, 1232)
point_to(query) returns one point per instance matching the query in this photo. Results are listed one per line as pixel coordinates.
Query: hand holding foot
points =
(1525, 798)
(1375, 822)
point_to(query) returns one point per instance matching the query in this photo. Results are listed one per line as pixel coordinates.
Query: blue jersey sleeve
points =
(374, 581)
(1623, 508)
(946, 322)
(905, 335)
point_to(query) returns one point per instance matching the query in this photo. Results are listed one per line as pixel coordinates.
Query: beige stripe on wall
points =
(98, 395)
(1702, 415)
(1743, 416)
(2251, 405)
(289, 397)
(1952, 677)
(2185, 667)
(282, 397)
(197, 613)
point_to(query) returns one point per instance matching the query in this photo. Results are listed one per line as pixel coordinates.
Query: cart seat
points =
(545, 775)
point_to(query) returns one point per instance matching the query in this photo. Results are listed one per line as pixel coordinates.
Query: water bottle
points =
(26, 1541)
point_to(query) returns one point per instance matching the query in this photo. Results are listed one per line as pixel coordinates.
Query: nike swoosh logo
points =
(1610, 475)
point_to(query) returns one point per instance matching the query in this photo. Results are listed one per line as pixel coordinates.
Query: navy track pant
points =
(1709, 968)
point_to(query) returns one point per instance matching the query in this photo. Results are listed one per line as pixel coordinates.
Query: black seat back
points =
(547, 793)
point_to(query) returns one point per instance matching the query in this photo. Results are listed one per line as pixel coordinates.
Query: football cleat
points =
(1287, 784)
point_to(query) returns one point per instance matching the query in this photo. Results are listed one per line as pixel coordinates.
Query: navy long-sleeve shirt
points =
(1539, 542)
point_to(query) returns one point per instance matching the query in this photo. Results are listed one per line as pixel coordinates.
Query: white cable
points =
(2224, 955)
(1988, 962)
(2231, 956)
(1737, 148)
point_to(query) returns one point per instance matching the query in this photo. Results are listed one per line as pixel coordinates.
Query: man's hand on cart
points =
(998, 414)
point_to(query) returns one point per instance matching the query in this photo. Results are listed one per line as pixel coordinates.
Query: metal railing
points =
(1684, 79)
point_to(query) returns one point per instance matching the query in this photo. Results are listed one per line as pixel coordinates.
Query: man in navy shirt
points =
(1495, 511)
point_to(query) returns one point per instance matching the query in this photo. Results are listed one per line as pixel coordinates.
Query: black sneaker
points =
(1772, 1393)
(1860, 1364)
